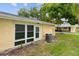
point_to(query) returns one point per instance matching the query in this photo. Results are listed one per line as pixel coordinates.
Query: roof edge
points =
(5, 15)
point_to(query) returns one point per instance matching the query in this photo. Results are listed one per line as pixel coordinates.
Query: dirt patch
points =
(40, 48)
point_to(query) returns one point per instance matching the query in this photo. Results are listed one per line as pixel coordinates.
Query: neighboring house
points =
(16, 30)
(66, 27)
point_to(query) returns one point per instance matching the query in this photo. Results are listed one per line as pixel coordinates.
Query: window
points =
(30, 40)
(30, 31)
(19, 34)
(37, 32)
(19, 42)
(20, 27)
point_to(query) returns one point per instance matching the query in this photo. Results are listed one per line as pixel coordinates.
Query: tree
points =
(72, 20)
(60, 10)
(34, 12)
(52, 10)
(24, 12)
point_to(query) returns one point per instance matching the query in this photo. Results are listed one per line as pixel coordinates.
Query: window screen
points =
(19, 31)
(37, 32)
(19, 42)
(30, 31)
(30, 40)
(19, 34)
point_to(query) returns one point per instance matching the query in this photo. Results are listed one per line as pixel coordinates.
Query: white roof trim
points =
(67, 26)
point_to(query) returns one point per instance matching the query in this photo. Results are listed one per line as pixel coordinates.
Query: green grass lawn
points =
(66, 45)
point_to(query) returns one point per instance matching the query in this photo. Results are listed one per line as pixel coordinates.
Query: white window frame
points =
(30, 37)
(35, 39)
(19, 39)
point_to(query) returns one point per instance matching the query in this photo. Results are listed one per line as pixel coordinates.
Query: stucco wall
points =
(7, 32)
(6, 36)
(47, 29)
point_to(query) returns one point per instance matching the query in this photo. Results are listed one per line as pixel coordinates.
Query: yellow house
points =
(16, 30)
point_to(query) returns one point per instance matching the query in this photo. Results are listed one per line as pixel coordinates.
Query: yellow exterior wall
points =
(6, 36)
(7, 32)
(47, 29)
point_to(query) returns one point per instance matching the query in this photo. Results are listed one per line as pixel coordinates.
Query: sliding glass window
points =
(37, 32)
(25, 34)
(19, 34)
(30, 33)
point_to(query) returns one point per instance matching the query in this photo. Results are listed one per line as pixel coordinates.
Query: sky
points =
(14, 7)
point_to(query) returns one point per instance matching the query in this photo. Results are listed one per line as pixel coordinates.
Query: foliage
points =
(72, 20)
(60, 10)
(53, 12)
(23, 12)
(34, 12)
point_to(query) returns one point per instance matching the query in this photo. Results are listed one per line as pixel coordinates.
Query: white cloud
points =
(25, 4)
(14, 4)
